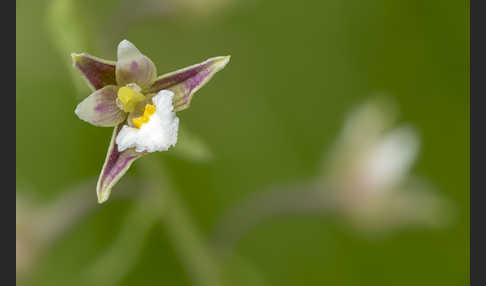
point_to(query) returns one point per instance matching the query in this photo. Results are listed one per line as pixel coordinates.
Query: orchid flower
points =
(128, 95)
(369, 171)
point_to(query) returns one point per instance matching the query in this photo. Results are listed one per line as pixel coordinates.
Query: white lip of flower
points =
(158, 134)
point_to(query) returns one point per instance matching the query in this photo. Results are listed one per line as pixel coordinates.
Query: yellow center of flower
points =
(139, 121)
(129, 98)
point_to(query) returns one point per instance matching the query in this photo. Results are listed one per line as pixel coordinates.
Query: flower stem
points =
(303, 199)
(122, 255)
(197, 258)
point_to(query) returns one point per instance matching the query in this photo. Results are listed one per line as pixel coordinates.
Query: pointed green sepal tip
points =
(221, 62)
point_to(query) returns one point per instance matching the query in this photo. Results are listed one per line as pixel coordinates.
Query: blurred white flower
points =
(366, 180)
(386, 163)
(368, 173)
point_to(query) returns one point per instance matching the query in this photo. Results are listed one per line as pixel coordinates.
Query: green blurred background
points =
(297, 67)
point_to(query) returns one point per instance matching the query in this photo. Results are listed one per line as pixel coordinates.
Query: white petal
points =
(389, 161)
(158, 134)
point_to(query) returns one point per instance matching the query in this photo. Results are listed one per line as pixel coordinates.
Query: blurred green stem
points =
(122, 254)
(302, 199)
(195, 254)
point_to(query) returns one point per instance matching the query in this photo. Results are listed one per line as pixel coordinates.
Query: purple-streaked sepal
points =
(115, 166)
(134, 67)
(100, 108)
(97, 72)
(185, 82)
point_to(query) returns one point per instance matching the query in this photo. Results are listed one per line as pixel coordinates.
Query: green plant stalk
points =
(123, 253)
(196, 256)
